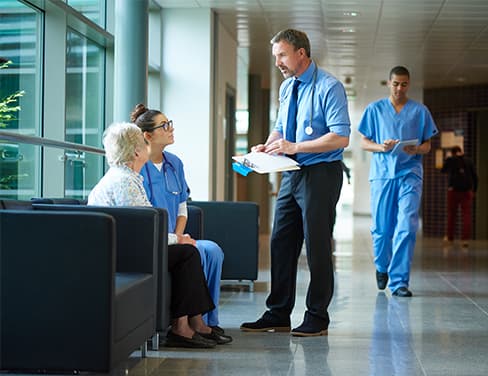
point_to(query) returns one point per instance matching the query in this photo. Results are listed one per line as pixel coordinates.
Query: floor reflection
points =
(391, 351)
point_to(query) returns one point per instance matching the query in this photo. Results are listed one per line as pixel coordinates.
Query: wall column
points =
(258, 186)
(131, 56)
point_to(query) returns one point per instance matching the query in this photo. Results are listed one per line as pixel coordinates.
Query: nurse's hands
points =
(388, 144)
(186, 239)
(411, 149)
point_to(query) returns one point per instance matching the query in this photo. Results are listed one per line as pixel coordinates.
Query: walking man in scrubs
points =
(396, 178)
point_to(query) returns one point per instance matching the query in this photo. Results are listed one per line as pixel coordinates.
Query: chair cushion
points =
(134, 302)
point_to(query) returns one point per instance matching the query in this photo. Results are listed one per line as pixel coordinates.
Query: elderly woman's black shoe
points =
(220, 339)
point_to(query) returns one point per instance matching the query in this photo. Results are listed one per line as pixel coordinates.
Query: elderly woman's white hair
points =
(121, 141)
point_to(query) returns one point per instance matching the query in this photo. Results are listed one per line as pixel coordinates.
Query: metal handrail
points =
(33, 140)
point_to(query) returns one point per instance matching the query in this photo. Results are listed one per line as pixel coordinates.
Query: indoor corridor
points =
(441, 330)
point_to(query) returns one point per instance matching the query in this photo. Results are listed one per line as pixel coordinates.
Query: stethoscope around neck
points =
(308, 128)
(176, 190)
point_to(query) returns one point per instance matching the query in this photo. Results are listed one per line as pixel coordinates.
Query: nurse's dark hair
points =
(399, 71)
(143, 117)
(296, 38)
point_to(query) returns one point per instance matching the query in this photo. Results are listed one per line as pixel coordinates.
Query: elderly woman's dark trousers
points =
(189, 291)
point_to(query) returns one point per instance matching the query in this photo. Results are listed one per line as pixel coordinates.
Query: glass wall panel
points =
(85, 77)
(94, 10)
(20, 52)
(82, 172)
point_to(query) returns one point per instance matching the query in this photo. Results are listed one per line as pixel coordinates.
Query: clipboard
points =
(263, 163)
(398, 148)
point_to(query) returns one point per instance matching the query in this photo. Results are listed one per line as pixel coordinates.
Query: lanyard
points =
(309, 129)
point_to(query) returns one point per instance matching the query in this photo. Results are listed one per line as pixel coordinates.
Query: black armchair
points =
(63, 306)
(235, 227)
(134, 234)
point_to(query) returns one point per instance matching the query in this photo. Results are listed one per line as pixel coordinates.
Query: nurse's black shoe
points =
(381, 280)
(217, 329)
(220, 339)
(402, 292)
(195, 342)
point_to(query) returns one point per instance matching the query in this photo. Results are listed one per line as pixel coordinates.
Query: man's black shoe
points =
(265, 325)
(381, 280)
(402, 292)
(305, 330)
(311, 326)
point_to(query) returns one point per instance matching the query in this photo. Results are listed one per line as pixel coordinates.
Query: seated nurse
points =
(166, 187)
(126, 153)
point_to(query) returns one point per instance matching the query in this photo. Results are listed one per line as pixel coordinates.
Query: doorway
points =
(229, 134)
(481, 200)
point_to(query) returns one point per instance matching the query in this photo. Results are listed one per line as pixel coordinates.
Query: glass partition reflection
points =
(94, 10)
(19, 176)
(20, 51)
(85, 77)
(82, 171)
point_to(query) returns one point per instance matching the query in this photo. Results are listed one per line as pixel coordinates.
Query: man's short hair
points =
(296, 38)
(399, 71)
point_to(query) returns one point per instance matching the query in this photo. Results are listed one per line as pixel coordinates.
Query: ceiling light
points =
(351, 13)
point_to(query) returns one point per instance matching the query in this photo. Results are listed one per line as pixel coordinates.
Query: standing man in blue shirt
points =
(395, 178)
(312, 127)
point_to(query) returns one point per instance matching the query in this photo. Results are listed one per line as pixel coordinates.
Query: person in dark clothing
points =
(462, 185)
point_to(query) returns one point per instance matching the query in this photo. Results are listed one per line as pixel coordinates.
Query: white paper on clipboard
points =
(398, 148)
(264, 163)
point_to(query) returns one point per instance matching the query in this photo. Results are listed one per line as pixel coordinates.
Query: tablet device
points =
(398, 148)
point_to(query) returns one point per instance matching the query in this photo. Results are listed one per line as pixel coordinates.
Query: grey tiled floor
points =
(442, 330)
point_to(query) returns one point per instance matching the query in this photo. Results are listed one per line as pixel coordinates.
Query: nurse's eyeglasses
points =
(166, 125)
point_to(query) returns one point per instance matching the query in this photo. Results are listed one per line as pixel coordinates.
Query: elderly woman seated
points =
(126, 153)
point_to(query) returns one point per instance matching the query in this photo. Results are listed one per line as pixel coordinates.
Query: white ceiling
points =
(444, 43)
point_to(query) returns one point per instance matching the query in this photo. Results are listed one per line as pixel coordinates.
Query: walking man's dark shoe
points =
(305, 330)
(312, 326)
(381, 280)
(402, 292)
(265, 325)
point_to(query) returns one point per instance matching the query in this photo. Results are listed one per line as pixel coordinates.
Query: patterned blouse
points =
(120, 186)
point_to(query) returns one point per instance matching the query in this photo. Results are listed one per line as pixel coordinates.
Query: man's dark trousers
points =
(305, 210)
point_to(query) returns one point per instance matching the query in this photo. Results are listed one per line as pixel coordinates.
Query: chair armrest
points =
(137, 234)
(194, 224)
(58, 200)
(234, 226)
(11, 204)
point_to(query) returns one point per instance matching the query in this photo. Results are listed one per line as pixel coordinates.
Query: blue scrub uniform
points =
(167, 189)
(396, 185)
